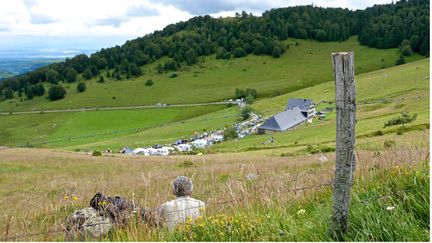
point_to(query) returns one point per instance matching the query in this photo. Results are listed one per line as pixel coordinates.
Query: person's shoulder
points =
(199, 202)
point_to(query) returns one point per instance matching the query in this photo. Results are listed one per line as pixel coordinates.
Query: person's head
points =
(182, 186)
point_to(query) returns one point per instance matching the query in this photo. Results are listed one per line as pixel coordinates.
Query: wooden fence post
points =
(343, 67)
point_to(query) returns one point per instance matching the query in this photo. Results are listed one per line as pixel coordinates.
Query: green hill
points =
(305, 64)
(400, 88)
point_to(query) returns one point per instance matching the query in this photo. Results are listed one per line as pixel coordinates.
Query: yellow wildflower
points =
(66, 198)
(301, 211)
(75, 198)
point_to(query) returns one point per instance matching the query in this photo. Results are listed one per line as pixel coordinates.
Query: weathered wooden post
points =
(343, 67)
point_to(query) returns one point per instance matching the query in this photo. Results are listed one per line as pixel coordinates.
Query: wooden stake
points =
(343, 67)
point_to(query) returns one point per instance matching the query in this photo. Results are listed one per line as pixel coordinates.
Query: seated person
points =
(183, 207)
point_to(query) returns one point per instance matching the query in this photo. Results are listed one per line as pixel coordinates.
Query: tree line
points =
(184, 43)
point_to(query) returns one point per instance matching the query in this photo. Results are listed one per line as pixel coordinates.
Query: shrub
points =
(56, 92)
(149, 82)
(81, 87)
(378, 133)
(400, 61)
(400, 120)
(249, 99)
(319, 149)
(389, 143)
(186, 164)
(96, 153)
(400, 131)
(230, 133)
(245, 112)
(101, 79)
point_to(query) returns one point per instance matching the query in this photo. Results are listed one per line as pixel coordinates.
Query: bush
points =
(230, 133)
(239, 52)
(149, 82)
(400, 61)
(56, 92)
(389, 143)
(245, 112)
(319, 149)
(240, 93)
(401, 120)
(400, 131)
(81, 87)
(96, 153)
(378, 133)
(101, 79)
(186, 164)
(249, 99)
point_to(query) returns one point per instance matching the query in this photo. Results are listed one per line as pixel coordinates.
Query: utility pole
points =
(343, 68)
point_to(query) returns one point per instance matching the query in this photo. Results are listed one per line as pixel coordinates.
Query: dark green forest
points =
(404, 24)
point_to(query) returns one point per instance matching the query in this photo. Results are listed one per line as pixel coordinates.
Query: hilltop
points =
(187, 44)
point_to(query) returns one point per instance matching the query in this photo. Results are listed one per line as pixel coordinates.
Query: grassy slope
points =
(406, 81)
(212, 80)
(402, 81)
(18, 129)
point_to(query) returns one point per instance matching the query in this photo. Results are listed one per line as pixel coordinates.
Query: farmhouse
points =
(298, 111)
(288, 119)
(305, 105)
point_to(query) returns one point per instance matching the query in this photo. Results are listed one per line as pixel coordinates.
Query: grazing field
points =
(305, 64)
(381, 95)
(287, 199)
(388, 92)
(89, 126)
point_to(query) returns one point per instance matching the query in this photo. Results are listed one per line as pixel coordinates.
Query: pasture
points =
(304, 64)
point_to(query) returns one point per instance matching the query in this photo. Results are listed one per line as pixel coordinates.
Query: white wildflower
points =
(390, 208)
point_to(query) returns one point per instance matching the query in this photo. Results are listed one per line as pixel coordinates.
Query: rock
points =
(87, 223)
(323, 159)
(251, 177)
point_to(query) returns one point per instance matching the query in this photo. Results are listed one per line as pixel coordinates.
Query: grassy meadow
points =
(305, 64)
(290, 200)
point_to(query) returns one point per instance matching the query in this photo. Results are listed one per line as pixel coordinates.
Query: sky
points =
(101, 23)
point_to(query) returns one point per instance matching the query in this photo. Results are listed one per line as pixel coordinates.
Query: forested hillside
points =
(404, 24)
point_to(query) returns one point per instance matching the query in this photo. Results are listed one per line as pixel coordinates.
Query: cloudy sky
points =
(113, 21)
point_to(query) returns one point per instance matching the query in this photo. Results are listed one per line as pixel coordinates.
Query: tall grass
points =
(288, 201)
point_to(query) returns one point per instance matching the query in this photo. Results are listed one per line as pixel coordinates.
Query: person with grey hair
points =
(183, 207)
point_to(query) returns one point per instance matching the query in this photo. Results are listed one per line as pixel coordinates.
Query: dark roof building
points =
(303, 104)
(285, 120)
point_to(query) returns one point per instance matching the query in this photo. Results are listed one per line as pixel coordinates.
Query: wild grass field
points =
(305, 64)
(288, 199)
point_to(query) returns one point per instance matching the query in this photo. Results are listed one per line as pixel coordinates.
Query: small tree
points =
(71, 75)
(52, 76)
(88, 73)
(249, 99)
(29, 93)
(101, 79)
(38, 90)
(56, 92)
(239, 52)
(400, 61)
(81, 87)
(245, 112)
(230, 133)
(149, 82)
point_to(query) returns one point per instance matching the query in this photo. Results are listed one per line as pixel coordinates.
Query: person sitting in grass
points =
(183, 207)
